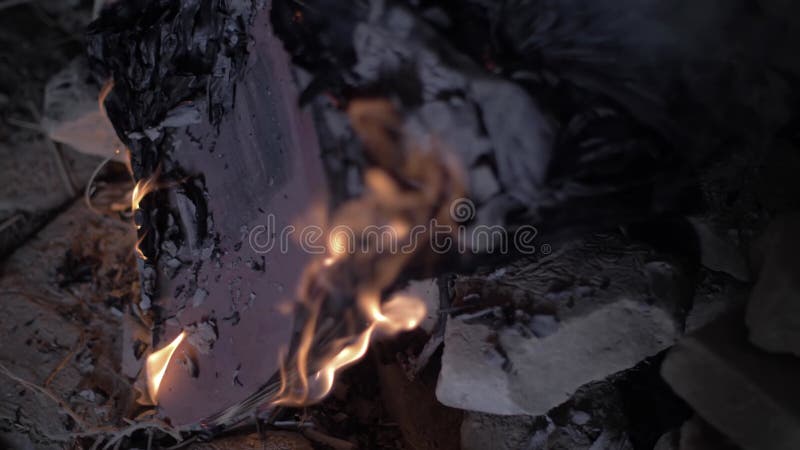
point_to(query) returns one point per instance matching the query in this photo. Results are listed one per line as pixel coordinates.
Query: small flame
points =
(344, 358)
(157, 363)
(104, 91)
(400, 313)
(140, 191)
(138, 248)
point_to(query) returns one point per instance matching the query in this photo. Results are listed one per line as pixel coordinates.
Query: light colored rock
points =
(509, 373)
(543, 327)
(745, 393)
(72, 113)
(773, 312)
(613, 338)
(472, 375)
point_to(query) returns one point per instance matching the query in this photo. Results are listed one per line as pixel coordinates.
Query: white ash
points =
(202, 335)
(199, 297)
(492, 116)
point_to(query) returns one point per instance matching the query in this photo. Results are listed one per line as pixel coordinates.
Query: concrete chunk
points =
(539, 329)
(509, 372)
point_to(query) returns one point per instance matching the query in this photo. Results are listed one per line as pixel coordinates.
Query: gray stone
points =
(773, 312)
(747, 394)
(472, 375)
(581, 314)
(608, 340)
(532, 375)
(520, 134)
(72, 114)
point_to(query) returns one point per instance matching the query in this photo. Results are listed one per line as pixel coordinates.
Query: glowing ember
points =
(157, 363)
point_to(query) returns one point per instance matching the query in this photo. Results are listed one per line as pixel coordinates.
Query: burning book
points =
(256, 295)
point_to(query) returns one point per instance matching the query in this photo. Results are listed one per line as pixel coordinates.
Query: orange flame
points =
(156, 365)
(140, 191)
(401, 313)
(104, 91)
(138, 248)
(344, 358)
(409, 186)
